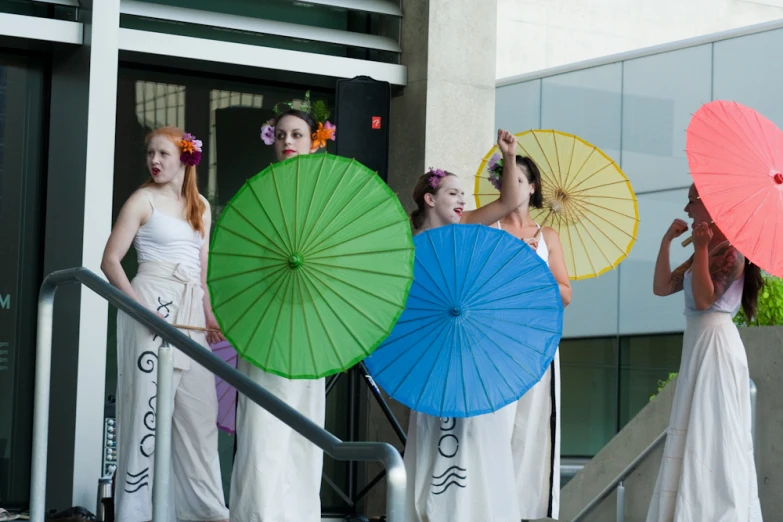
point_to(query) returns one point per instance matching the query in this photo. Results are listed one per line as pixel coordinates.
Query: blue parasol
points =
(482, 323)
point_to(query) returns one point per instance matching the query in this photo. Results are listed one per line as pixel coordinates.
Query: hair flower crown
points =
(435, 175)
(191, 150)
(495, 169)
(317, 110)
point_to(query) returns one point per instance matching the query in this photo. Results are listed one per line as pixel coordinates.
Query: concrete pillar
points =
(443, 118)
(78, 222)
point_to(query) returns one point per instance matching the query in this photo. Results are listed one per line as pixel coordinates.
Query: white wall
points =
(539, 34)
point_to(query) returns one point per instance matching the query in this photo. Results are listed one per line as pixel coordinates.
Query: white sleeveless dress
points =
(708, 472)
(169, 281)
(535, 442)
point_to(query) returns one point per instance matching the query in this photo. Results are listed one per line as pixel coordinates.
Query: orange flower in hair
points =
(324, 132)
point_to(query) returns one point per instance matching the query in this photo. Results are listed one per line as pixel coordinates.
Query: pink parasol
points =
(227, 395)
(736, 160)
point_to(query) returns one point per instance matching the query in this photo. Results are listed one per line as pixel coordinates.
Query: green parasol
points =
(310, 266)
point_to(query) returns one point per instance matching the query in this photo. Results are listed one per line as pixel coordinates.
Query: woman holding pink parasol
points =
(167, 221)
(708, 471)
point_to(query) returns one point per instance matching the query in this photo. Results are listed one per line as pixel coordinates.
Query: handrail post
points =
(43, 375)
(161, 480)
(753, 396)
(620, 502)
(396, 484)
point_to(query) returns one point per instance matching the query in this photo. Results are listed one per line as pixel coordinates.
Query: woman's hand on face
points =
(676, 229)
(702, 235)
(507, 143)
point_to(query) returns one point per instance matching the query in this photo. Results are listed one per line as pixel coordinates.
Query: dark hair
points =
(533, 176)
(751, 289)
(421, 188)
(299, 114)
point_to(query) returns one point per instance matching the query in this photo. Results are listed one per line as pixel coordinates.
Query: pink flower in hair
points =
(435, 175)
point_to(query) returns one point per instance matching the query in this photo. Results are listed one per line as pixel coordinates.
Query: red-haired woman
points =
(167, 221)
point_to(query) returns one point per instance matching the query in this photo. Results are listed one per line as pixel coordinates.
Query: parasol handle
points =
(197, 328)
(689, 240)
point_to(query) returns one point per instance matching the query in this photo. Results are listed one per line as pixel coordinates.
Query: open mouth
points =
(458, 211)
(155, 171)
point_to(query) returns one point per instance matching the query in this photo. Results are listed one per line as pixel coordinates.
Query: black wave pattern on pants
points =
(450, 477)
(138, 481)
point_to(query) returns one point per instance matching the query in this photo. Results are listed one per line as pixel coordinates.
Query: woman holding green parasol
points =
(277, 473)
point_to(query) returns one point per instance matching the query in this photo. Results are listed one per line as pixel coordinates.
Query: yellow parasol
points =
(587, 199)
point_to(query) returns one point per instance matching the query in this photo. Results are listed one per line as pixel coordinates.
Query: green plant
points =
(770, 307)
(663, 384)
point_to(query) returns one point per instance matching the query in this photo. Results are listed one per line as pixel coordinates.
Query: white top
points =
(168, 239)
(729, 302)
(542, 250)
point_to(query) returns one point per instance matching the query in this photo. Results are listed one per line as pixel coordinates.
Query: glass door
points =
(21, 167)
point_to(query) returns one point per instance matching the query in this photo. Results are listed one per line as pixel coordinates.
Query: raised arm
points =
(209, 316)
(134, 212)
(510, 193)
(714, 272)
(666, 282)
(557, 263)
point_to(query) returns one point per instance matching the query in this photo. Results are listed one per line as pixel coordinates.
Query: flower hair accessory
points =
(435, 175)
(191, 150)
(317, 110)
(495, 169)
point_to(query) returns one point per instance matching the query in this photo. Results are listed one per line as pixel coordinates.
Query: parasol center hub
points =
(296, 261)
(778, 177)
(455, 311)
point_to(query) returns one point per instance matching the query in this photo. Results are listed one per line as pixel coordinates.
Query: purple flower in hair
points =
(191, 150)
(435, 175)
(495, 169)
(268, 132)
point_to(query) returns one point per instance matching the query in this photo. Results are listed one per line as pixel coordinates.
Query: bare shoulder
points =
(550, 235)
(138, 204)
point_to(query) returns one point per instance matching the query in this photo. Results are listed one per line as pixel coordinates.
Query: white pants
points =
(197, 490)
(461, 470)
(535, 445)
(277, 472)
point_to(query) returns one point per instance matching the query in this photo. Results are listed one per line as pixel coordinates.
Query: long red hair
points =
(194, 205)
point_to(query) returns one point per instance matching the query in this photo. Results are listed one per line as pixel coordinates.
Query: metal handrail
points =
(617, 483)
(337, 449)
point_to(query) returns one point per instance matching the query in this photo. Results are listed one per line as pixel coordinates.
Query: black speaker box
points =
(362, 109)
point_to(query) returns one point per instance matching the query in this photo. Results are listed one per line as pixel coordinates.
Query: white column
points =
(90, 389)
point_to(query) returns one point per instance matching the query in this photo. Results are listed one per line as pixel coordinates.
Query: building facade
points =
(620, 339)
(83, 81)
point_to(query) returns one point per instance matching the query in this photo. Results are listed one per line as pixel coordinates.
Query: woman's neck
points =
(520, 218)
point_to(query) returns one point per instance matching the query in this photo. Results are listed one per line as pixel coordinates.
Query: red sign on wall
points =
(376, 122)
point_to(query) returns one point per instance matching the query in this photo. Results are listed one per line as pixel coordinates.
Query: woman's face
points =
(292, 137)
(448, 202)
(695, 208)
(525, 187)
(163, 160)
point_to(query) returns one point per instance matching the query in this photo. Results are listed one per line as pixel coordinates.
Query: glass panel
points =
(660, 93)
(227, 117)
(640, 310)
(747, 70)
(587, 103)
(644, 361)
(588, 372)
(21, 137)
(518, 106)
